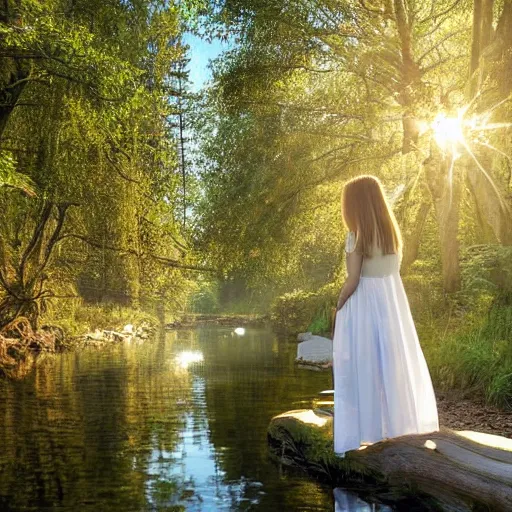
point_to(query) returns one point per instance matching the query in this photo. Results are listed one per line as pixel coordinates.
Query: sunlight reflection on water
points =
(186, 358)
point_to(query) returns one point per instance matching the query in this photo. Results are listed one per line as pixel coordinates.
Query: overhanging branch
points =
(168, 262)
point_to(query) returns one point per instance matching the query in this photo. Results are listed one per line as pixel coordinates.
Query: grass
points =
(476, 358)
(321, 323)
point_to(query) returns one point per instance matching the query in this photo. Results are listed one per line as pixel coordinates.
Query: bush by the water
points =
(300, 311)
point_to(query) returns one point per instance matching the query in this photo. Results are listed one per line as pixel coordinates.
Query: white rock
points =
(97, 335)
(240, 331)
(128, 329)
(315, 349)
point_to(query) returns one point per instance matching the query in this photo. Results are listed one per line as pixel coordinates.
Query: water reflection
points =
(188, 357)
(195, 470)
(345, 501)
(174, 424)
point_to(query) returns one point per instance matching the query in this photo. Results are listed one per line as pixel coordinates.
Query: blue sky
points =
(200, 54)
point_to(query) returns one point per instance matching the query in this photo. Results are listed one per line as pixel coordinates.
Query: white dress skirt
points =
(382, 386)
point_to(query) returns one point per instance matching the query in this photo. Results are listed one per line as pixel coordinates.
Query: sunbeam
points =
(489, 179)
(457, 134)
(487, 145)
(492, 126)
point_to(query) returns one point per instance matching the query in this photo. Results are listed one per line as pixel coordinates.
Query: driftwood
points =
(447, 470)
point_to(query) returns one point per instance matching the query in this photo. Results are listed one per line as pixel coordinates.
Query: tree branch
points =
(436, 15)
(161, 259)
(36, 236)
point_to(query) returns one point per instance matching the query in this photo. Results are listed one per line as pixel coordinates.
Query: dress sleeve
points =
(350, 242)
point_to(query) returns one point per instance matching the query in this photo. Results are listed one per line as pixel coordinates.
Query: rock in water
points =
(316, 349)
(240, 331)
(128, 329)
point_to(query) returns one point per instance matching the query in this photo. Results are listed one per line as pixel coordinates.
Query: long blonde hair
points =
(367, 213)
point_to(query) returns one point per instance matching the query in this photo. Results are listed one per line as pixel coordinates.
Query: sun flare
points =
(448, 131)
(460, 134)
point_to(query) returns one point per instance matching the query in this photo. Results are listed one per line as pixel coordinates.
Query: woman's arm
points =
(354, 263)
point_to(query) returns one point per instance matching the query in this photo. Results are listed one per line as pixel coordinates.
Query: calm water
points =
(176, 423)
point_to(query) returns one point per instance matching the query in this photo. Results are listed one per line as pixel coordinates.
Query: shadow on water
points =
(177, 423)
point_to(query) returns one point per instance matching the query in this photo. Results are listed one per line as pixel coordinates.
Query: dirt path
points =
(465, 414)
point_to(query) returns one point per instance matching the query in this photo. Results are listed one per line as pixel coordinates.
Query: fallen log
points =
(458, 471)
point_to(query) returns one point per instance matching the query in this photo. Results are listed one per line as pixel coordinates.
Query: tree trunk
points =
(12, 87)
(409, 75)
(491, 206)
(446, 470)
(10, 94)
(475, 47)
(413, 240)
(24, 288)
(502, 49)
(486, 30)
(446, 192)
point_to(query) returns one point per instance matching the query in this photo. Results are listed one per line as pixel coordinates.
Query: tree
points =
(370, 77)
(87, 117)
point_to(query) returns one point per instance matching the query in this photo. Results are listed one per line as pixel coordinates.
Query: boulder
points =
(316, 349)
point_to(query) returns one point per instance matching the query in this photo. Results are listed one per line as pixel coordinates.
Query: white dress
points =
(382, 386)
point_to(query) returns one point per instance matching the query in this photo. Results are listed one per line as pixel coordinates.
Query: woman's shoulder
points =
(350, 242)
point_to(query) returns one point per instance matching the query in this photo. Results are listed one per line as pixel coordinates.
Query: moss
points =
(311, 446)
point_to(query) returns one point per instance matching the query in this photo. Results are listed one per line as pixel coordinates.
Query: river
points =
(176, 423)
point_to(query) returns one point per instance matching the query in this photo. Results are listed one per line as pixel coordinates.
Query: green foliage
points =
(205, 299)
(487, 271)
(10, 178)
(479, 359)
(301, 311)
(89, 99)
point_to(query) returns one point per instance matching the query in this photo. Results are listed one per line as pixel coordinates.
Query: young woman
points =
(382, 386)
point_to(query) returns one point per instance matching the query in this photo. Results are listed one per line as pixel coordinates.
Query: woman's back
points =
(378, 264)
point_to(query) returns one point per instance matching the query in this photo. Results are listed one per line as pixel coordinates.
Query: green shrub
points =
(301, 311)
(205, 299)
(486, 269)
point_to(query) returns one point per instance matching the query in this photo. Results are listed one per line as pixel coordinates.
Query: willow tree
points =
(87, 90)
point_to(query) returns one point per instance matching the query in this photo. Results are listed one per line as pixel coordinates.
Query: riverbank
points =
(94, 325)
(86, 325)
(232, 320)
(21, 345)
